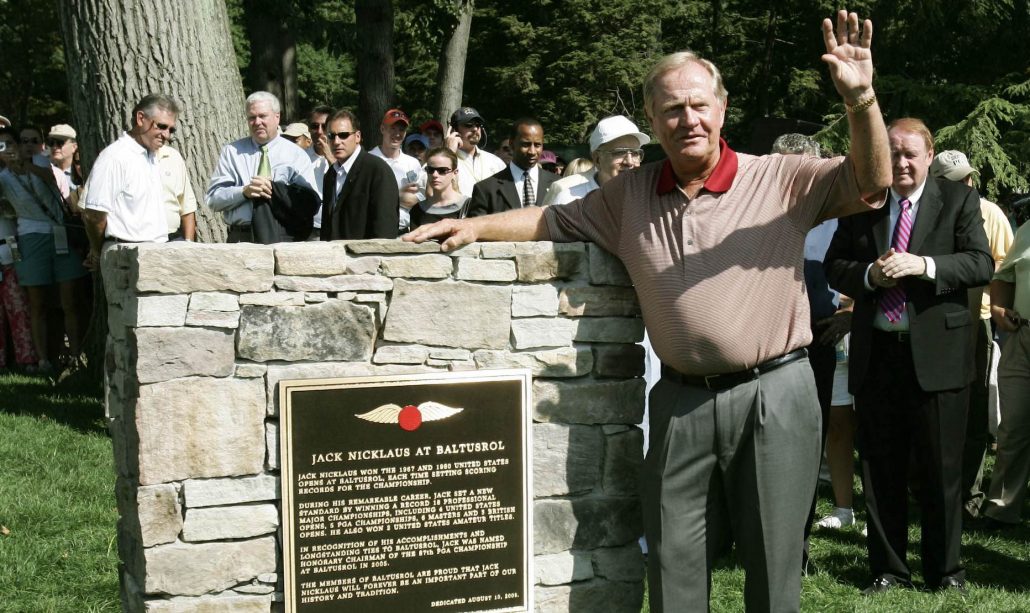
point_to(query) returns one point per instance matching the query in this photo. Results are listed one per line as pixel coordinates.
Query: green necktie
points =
(264, 168)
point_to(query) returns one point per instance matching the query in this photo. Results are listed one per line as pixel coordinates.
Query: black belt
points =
(898, 336)
(242, 233)
(724, 381)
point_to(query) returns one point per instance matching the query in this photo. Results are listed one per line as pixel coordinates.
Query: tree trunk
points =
(118, 52)
(451, 72)
(273, 53)
(375, 65)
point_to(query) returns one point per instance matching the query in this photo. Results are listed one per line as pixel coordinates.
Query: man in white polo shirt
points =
(124, 190)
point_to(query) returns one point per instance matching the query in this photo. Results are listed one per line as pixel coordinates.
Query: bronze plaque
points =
(407, 493)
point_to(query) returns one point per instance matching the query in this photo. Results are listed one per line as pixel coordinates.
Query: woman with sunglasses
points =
(443, 200)
(44, 258)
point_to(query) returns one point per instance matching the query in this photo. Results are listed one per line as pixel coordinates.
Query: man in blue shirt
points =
(247, 168)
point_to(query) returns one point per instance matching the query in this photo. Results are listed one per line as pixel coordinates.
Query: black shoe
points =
(884, 583)
(953, 584)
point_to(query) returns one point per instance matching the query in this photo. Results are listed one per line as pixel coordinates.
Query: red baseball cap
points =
(432, 123)
(394, 115)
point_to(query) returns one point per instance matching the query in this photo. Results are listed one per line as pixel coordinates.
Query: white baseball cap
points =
(610, 128)
(952, 165)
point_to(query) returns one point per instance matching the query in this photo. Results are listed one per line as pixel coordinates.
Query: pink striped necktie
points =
(893, 300)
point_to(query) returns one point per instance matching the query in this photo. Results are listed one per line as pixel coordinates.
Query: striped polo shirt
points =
(720, 276)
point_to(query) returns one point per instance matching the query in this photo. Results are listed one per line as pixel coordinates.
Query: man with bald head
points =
(734, 430)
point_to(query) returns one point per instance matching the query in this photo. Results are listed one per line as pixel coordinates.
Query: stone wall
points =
(200, 335)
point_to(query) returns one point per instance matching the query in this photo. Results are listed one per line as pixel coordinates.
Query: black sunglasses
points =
(433, 170)
(54, 142)
(163, 126)
(340, 135)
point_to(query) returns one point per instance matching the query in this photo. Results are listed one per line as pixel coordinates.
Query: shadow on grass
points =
(75, 401)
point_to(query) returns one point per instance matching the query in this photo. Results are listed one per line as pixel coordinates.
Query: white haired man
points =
(247, 168)
(616, 145)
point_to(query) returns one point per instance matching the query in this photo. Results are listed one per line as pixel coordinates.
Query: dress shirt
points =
(880, 321)
(520, 179)
(476, 166)
(238, 164)
(320, 166)
(125, 183)
(342, 168)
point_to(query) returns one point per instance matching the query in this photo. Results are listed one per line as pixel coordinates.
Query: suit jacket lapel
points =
(881, 224)
(508, 192)
(930, 205)
(352, 177)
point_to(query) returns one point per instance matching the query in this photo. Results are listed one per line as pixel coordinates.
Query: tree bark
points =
(374, 20)
(117, 51)
(451, 72)
(273, 53)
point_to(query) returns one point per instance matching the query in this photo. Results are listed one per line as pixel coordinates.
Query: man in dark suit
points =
(908, 266)
(359, 192)
(523, 183)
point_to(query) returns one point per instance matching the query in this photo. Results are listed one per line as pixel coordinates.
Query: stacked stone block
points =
(200, 336)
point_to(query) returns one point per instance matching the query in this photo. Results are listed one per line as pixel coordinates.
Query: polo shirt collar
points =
(718, 182)
(138, 148)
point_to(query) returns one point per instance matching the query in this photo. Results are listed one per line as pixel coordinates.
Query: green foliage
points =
(238, 32)
(32, 64)
(980, 136)
(569, 63)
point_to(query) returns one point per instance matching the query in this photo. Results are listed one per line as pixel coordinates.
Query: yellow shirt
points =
(999, 237)
(177, 195)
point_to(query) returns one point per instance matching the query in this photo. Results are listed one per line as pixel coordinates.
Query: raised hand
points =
(848, 56)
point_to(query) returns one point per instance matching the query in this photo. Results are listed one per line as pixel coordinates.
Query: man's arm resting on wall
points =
(516, 225)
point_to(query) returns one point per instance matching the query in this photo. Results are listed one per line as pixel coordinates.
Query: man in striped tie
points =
(908, 266)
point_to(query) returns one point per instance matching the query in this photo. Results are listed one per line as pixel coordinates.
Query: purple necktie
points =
(893, 300)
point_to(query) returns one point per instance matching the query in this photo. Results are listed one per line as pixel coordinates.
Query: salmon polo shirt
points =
(719, 277)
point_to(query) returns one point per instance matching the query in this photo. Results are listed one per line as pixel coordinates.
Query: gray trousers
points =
(735, 466)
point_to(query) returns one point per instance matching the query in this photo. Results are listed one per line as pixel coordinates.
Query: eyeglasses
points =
(473, 124)
(53, 142)
(625, 152)
(442, 171)
(30, 141)
(339, 135)
(314, 125)
(163, 127)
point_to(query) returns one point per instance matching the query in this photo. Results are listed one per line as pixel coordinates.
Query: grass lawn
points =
(57, 525)
(57, 505)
